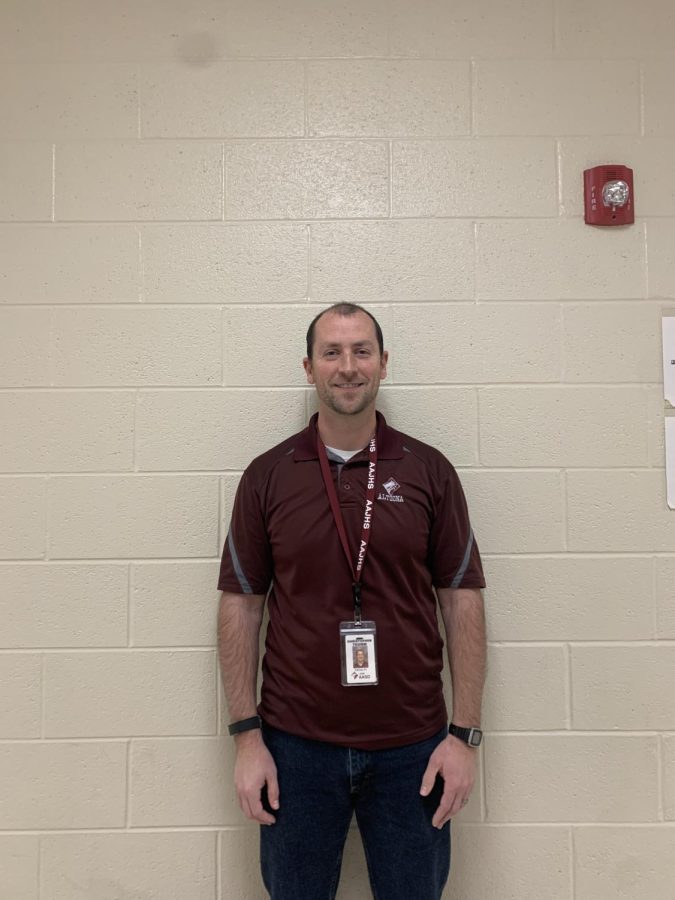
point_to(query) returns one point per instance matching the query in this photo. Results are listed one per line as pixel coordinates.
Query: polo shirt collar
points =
(389, 441)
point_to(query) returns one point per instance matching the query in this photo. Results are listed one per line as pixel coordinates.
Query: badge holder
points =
(359, 653)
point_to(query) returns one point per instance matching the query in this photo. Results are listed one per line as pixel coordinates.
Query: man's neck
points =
(346, 432)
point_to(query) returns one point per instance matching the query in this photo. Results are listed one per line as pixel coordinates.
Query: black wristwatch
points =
(470, 736)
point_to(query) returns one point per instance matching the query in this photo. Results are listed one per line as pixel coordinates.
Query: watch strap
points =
(470, 736)
(244, 725)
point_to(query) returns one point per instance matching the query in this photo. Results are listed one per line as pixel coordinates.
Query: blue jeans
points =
(320, 786)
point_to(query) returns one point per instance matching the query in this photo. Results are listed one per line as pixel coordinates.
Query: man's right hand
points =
(254, 768)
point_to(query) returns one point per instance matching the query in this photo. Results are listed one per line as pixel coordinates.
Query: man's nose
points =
(348, 361)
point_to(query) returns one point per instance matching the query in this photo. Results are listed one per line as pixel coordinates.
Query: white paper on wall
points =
(670, 460)
(668, 330)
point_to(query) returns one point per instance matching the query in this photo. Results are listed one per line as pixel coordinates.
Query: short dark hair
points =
(343, 309)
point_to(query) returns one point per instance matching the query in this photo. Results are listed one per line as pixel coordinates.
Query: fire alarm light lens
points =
(615, 193)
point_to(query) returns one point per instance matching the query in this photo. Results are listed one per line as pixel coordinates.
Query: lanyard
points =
(357, 569)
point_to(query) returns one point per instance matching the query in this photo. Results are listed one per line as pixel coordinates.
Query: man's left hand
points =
(455, 762)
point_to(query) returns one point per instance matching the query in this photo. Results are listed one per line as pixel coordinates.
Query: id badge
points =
(359, 654)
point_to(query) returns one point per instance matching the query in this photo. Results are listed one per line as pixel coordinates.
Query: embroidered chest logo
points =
(391, 487)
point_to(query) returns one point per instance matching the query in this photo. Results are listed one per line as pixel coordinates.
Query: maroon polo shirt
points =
(283, 534)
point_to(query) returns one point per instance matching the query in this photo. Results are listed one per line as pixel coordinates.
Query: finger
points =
(457, 806)
(429, 778)
(252, 808)
(444, 821)
(445, 809)
(441, 816)
(273, 789)
(259, 813)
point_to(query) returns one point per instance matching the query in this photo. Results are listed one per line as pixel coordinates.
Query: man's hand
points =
(455, 762)
(254, 768)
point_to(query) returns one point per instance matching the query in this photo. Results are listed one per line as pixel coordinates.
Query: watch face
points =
(475, 737)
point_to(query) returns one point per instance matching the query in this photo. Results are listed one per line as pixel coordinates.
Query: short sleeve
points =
(454, 559)
(246, 564)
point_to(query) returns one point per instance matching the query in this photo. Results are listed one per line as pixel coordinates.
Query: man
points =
(360, 659)
(358, 529)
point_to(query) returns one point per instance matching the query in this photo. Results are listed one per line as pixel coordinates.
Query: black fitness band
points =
(244, 725)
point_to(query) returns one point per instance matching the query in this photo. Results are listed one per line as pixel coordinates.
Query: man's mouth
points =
(350, 385)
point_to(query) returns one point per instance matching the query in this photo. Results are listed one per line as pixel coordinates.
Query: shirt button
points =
(346, 485)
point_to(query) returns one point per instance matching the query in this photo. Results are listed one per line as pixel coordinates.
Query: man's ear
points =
(307, 365)
(383, 364)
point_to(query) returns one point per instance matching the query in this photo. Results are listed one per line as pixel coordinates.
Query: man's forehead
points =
(332, 328)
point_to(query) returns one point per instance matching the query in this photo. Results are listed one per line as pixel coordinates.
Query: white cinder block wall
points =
(182, 186)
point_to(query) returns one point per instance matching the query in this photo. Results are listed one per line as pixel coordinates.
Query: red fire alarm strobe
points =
(608, 195)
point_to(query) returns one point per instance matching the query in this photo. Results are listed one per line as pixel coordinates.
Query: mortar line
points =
(195, 472)
(136, 650)
(299, 386)
(219, 857)
(174, 649)
(223, 162)
(308, 293)
(660, 303)
(568, 686)
(565, 510)
(197, 829)
(479, 461)
(558, 175)
(47, 501)
(43, 668)
(660, 779)
(205, 829)
(539, 218)
(655, 601)
(473, 91)
(39, 867)
(130, 584)
(221, 510)
(305, 88)
(141, 293)
(127, 800)
(215, 557)
(121, 561)
(609, 643)
(52, 325)
(223, 345)
(116, 739)
(641, 97)
(390, 163)
(139, 128)
(446, 136)
(474, 248)
(645, 244)
(134, 446)
(53, 182)
(203, 59)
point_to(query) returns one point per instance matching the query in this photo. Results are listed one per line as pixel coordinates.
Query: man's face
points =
(346, 366)
(360, 658)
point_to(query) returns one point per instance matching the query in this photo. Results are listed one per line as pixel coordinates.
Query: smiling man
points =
(354, 532)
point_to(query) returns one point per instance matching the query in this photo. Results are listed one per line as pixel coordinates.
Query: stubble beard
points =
(337, 404)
